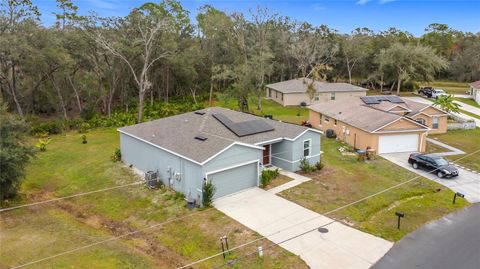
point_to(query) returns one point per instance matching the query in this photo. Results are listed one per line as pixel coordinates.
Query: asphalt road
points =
(451, 242)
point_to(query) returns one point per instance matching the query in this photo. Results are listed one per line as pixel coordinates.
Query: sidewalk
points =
(453, 151)
(297, 180)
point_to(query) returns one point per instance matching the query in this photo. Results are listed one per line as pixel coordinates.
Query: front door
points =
(266, 154)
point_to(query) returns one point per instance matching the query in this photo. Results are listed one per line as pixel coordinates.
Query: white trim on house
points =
(439, 115)
(157, 146)
(286, 138)
(230, 167)
(309, 147)
(296, 161)
(403, 131)
(406, 109)
(376, 130)
(189, 159)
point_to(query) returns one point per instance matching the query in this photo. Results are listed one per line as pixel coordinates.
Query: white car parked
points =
(438, 93)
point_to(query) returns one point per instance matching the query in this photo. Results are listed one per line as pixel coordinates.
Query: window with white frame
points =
(421, 121)
(317, 97)
(327, 118)
(320, 118)
(306, 147)
(435, 122)
(332, 96)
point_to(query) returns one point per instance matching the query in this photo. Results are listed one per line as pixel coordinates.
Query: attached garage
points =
(398, 143)
(234, 179)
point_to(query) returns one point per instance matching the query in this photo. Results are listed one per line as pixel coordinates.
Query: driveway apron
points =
(294, 228)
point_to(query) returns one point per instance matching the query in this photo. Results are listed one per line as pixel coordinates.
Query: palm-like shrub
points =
(447, 104)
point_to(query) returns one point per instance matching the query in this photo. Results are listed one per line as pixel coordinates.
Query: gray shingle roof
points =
(300, 85)
(355, 112)
(177, 133)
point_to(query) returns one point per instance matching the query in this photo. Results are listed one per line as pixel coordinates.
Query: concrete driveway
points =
(279, 219)
(467, 182)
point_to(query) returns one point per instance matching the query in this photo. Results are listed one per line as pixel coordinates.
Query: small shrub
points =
(319, 165)
(42, 143)
(84, 139)
(84, 128)
(268, 176)
(305, 166)
(208, 190)
(117, 155)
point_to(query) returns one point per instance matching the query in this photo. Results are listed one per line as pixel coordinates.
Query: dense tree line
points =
(90, 63)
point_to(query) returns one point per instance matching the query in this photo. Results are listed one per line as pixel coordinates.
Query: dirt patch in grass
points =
(344, 180)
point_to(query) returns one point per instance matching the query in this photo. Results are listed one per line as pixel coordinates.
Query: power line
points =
(237, 247)
(326, 213)
(71, 196)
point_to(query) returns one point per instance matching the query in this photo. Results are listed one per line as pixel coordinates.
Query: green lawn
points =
(69, 167)
(292, 114)
(344, 180)
(467, 101)
(452, 87)
(466, 140)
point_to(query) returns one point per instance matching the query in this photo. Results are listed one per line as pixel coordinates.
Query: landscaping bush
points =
(117, 155)
(208, 190)
(42, 143)
(84, 139)
(84, 128)
(305, 166)
(268, 176)
(319, 165)
(88, 113)
(50, 128)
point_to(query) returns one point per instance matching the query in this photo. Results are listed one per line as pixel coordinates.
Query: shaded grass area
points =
(345, 180)
(452, 87)
(69, 167)
(467, 101)
(291, 114)
(466, 140)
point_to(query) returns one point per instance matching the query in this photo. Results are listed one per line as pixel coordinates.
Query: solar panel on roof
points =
(244, 128)
(371, 100)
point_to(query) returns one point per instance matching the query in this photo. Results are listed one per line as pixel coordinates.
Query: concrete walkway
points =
(297, 180)
(453, 151)
(294, 228)
(469, 108)
(426, 101)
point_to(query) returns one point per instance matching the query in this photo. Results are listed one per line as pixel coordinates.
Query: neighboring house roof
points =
(300, 85)
(370, 118)
(475, 84)
(177, 133)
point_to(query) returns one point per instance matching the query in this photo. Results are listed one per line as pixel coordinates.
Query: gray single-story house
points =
(228, 147)
(294, 92)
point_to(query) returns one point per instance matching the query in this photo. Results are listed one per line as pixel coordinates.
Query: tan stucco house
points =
(294, 92)
(475, 91)
(385, 124)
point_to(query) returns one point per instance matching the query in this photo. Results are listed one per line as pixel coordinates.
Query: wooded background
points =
(91, 64)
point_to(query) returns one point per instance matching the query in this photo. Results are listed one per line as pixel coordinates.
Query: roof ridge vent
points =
(201, 137)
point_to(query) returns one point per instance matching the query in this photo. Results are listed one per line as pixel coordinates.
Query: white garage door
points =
(398, 143)
(234, 179)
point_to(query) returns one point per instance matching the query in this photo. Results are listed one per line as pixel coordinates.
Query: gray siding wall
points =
(314, 149)
(288, 154)
(282, 155)
(146, 157)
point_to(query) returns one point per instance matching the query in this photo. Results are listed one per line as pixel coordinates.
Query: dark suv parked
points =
(433, 164)
(427, 91)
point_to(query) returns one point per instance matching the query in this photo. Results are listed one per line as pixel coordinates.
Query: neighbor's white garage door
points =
(398, 143)
(234, 179)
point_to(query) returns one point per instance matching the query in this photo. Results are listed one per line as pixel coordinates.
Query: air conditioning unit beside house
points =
(151, 179)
